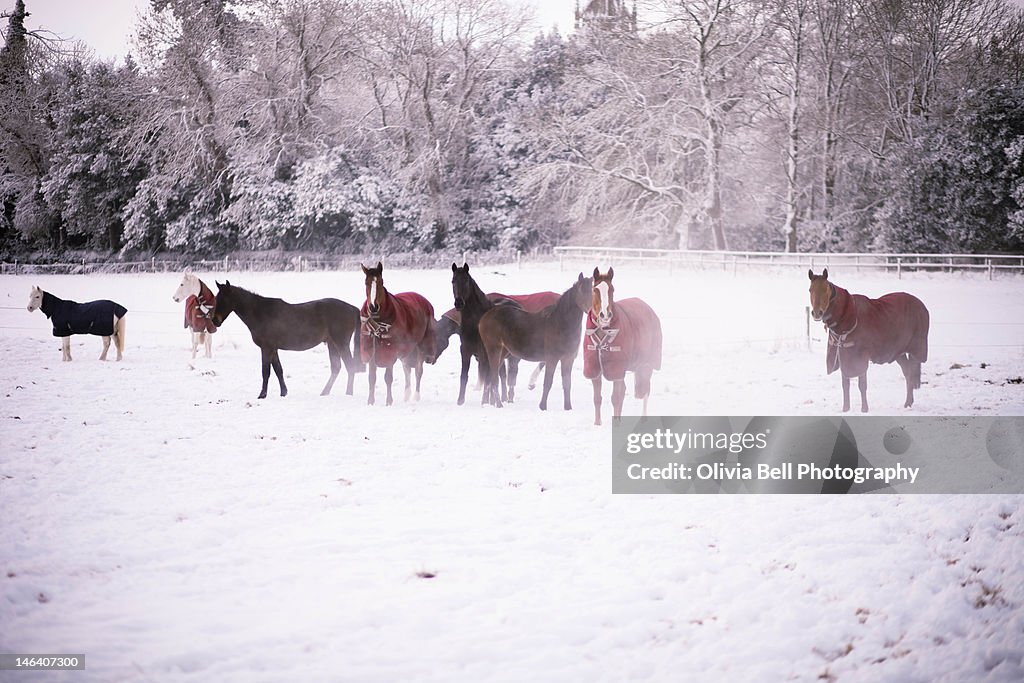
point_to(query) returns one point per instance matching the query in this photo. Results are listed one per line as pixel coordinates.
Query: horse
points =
(278, 325)
(451, 322)
(199, 301)
(621, 336)
(394, 327)
(551, 336)
(103, 318)
(893, 327)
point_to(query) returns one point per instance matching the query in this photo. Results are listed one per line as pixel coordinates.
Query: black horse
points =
(472, 304)
(551, 336)
(275, 324)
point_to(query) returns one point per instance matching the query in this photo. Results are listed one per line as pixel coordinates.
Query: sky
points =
(106, 26)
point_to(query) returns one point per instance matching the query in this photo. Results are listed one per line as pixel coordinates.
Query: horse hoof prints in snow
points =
(275, 324)
(893, 327)
(103, 318)
(199, 302)
(621, 336)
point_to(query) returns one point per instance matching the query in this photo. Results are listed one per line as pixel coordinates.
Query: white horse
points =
(103, 318)
(199, 301)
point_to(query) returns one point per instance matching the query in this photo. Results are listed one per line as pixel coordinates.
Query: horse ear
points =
(810, 274)
(365, 269)
(455, 268)
(580, 278)
(227, 283)
(824, 274)
(611, 272)
(596, 272)
(465, 267)
(380, 266)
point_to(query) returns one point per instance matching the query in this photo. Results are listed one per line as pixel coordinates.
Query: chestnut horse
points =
(394, 327)
(893, 327)
(551, 336)
(622, 336)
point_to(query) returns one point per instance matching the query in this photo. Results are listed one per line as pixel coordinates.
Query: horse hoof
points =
(261, 396)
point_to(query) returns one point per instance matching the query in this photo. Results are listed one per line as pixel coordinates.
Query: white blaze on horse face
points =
(371, 298)
(604, 315)
(35, 299)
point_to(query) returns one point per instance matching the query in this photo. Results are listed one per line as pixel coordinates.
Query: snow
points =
(158, 518)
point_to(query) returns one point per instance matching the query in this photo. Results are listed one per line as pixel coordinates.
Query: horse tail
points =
(357, 353)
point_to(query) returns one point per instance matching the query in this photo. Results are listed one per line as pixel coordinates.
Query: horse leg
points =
(335, 356)
(503, 379)
(495, 359)
(195, 343)
(464, 373)
(419, 377)
(533, 376)
(65, 349)
(642, 378)
(371, 376)
(119, 333)
(207, 343)
(549, 378)
(513, 374)
(618, 395)
(862, 384)
(907, 365)
(406, 369)
(265, 356)
(106, 347)
(567, 382)
(346, 358)
(597, 400)
(389, 377)
(275, 361)
(846, 394)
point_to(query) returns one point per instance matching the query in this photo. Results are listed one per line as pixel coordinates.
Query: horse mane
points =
(565, 299)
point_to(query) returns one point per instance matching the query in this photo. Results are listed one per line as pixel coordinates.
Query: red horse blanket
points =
(531, 303)
(876, 330)
(403, 324)
(199, 309)
(631, 340)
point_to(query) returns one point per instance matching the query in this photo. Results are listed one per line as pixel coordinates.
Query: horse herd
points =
(499, 330)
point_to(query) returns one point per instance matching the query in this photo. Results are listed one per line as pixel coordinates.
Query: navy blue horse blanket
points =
(71, 317)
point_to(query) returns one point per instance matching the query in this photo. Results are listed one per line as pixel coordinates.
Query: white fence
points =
(732, 260)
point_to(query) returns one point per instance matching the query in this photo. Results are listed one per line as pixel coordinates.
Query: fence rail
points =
(726, 260)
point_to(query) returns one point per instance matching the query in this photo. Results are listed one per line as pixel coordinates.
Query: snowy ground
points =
(158, 518)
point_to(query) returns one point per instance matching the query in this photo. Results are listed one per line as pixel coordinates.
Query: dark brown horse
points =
(394, 327)
(277, 325)
(551, 336)
(622, 336)
(893, 327)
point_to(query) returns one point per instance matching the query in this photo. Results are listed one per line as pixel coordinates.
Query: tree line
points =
(416, 125)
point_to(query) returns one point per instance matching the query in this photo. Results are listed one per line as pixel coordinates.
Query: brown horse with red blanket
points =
(893, 327)
(394, 327)
(621, 336)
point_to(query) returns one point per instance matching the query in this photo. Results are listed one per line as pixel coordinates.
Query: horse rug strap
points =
(839, 340)
(376, 328)
(602, 338)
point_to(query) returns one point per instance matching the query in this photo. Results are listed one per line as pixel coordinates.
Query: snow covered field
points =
(159, 519)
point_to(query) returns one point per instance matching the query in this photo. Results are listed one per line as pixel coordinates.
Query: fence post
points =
(519, 259)
(988, 262)
(807, 315)
(561, 262)
(899, 267)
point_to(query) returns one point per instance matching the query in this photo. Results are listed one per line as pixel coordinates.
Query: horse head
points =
(462, 285)
(189, 286)
(822, 293)
(376, 295)
(224, 304)
(582, 293)
(602, 297)
(35, 299)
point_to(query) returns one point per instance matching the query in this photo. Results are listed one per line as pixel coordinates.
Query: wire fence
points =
(735, 260)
